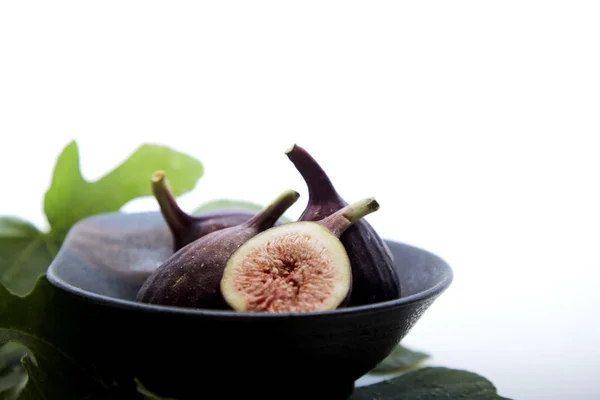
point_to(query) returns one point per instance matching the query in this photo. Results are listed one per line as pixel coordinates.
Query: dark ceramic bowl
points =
(186, 353)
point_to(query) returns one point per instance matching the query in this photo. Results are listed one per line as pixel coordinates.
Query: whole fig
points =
(186, 228)
(191, 276)
(296, 267)
(373, 274)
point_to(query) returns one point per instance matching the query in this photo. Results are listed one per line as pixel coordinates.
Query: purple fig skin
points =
(374, 278)
(186, 228)
(191, 276)
(202, 224)
(339, 221)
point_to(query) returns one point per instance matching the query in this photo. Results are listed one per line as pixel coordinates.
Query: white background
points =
(473, 123)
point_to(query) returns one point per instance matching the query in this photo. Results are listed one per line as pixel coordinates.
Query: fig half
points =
(191, 276)
(295, 267)
(374, 278)
(186, 228)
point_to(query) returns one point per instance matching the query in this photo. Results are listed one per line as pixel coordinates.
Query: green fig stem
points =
(178, 221)
(320, 188)
(341, 220)
(269, 215)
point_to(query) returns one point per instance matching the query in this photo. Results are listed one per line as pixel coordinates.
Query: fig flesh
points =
(295, 267)
(191, 276)
(374, 278)
(186, 228)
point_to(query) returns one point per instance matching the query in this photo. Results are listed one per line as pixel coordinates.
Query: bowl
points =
(185, 353)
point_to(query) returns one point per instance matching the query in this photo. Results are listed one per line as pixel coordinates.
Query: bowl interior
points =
(107, 257)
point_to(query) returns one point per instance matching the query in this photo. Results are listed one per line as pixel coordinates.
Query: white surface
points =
(473, 123)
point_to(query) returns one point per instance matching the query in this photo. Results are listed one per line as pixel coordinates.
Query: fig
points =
(300, 266)
(191, 276)
(374, 278)
(186, 228)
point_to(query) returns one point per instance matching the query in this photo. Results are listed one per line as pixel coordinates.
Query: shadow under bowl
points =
(183, 352)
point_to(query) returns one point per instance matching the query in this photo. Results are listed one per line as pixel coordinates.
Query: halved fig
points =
(295, 267)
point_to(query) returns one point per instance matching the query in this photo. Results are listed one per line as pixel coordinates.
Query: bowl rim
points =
(429, 294)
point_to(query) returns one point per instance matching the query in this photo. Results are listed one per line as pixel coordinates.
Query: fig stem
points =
(319, 185)
(176, 218)
(271, 213)
(341, 220)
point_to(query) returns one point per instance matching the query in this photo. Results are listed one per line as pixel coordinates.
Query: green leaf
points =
(25, 253)
(226, 203)
(148, 395)
(71, 198)
(39, 322)
(13, 376)
(400, 359)
(433, 383)
(221, 204)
